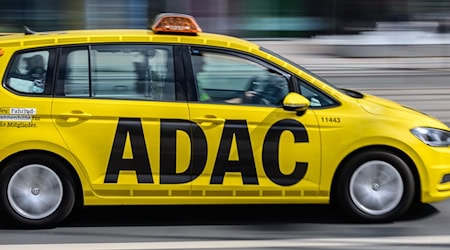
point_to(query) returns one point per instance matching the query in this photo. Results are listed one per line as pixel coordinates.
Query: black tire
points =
(36, 191)
(375, 186)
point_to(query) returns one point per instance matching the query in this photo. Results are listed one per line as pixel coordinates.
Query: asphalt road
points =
(237, 227)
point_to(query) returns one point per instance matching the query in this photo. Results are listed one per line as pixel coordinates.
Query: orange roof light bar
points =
(175, 23)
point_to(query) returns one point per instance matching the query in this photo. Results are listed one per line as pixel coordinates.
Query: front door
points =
(257, 151)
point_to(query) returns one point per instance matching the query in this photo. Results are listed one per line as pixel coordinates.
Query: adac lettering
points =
(140, 162)
(236, 129)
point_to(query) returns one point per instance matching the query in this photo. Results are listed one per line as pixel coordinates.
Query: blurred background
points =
(243, 18)
(398, 49)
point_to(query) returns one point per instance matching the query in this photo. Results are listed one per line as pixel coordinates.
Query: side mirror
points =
(295, 102)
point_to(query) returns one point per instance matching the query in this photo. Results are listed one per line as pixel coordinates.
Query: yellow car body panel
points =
(334, 133)
(376, 122)
(258, 121)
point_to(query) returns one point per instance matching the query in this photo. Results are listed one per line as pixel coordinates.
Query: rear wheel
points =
(36, 191)
(375, 186)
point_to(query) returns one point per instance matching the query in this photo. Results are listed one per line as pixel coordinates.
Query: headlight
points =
(433, 137)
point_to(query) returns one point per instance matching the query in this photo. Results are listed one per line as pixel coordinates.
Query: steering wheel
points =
(267, 91)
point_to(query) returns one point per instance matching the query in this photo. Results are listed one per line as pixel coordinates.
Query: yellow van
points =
(173, 115)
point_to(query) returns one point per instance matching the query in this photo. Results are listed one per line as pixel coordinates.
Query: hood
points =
(384, 107)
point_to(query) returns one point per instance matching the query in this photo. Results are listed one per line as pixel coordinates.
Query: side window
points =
(228, 78)
(73, 76)
(316, 97)
(29, 72)
(119, 72)
(133, 72)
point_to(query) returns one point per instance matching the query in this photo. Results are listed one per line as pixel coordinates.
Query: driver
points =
(198, 64)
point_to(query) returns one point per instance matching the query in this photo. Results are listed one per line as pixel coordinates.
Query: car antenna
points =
(28, 31)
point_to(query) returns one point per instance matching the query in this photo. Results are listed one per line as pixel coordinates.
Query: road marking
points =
(428, 241)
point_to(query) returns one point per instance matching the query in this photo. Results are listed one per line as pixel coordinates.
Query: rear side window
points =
(132, 71)
(30, 72)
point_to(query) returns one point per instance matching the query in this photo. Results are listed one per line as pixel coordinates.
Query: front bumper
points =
(437, 187)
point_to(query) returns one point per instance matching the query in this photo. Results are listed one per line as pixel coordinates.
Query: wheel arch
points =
(79, 199)
(412, 166)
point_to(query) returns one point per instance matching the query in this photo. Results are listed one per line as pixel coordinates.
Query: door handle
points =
(75, 114)
(209, 120)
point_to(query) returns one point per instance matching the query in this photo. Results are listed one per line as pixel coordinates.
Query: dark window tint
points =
(316, 97)
(29, 72)
(73, 76)
(229, 78)
(118, 72)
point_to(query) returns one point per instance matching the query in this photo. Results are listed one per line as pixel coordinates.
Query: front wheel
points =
(375, 186)
(36, 191)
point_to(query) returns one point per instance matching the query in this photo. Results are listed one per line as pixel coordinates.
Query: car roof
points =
(40, 39)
